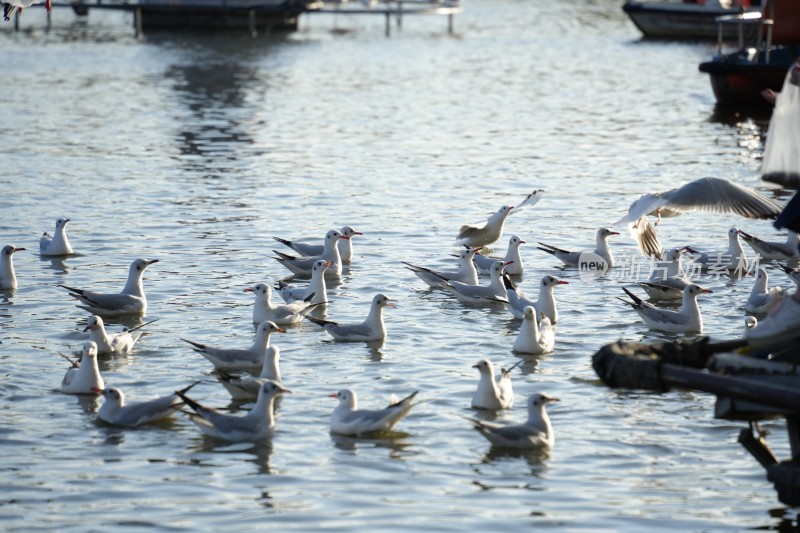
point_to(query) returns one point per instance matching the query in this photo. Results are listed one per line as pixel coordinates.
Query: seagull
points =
(58, 243)
(131, 301)
(348, 419)
(668, 279)
(535, 337)
(793, 273)
(780, 251)
(116, 343)
(345, 245)
(316, 290)
(257, 425)
(493, 392)
(83, 377)
(537, 432)
(546, 304)
(372, 329)
(435, 278)
(252, 357)
(713, 195)
(11, 7)
(734, 259)
(573, 258)
(281, 314)
(515, 268)
(687, 319)
(761, 298)
(247, 387)
(495, 291)
(489, 231)
(750, 322)
(302, 266)
(8, 278)
(116, 412)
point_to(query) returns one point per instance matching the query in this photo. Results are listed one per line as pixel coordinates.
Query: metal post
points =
(49, 22)
(137, 21)
(251, 23)
(16, 20)
(400, 14)
(450, 24)
(388, 23)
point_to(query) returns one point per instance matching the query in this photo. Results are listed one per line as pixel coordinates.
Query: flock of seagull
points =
(235, 368)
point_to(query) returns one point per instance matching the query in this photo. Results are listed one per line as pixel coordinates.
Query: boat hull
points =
(664, 20)
(176, 15)
(737, 79)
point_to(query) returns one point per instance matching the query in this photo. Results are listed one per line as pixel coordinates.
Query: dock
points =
(253, 16)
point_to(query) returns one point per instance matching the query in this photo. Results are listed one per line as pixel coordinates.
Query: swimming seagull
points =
(733, 259)
(715, 195)
(235, 358)
(761, 297)
(536, 432)
(489, 231)
(257, 425)
(372, 329)
(668, 279)
(544, 305)
(131, 301)
(573, 258)
(115, 343)
(493, 392)
(687, 319)
(780, 251)
(302, 266)
(495, 291)
(348, 419)
(246, 387)
(515, 268)
(281, 314)
(316, 289)
(83, 377)
(58, 243)
(8, 277)
(312, 250)
(536, 335)
(466, 272)
(116, 412)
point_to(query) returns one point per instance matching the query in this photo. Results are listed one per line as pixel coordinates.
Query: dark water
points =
(197, 149)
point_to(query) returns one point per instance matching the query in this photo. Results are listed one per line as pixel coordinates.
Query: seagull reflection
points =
(393, 440)
(534, 457)
(89, 403)
(260, 451)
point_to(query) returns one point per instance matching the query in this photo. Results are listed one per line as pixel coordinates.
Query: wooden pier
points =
(253, 16)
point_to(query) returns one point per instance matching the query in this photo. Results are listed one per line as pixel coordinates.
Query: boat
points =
(750, 385)
(739, 77)
(685, 20)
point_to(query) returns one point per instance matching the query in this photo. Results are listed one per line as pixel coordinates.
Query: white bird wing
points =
(714, 195)
(644, 233)
(530, 200)
(144, 412)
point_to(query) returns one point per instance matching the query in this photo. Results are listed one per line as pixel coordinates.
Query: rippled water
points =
(196, 150)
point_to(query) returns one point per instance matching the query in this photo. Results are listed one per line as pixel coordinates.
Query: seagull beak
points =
(507, 263)
(332, 395)
(345, 237)
(87, 328)
(549, 399)
(357, 233)
(329, 263)
(98, 391)
(280, 330)
(614, 233)
(19, 249)
(707, 290)
(151, 261)
(248, 289)
(562, 282)
(391, 304)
